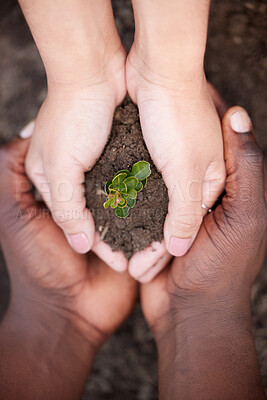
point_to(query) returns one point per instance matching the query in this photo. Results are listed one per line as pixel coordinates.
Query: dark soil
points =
(145, 221)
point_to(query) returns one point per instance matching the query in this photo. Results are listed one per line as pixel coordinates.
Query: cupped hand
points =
(70, 133)
(183, 134)
(45, 271)
(229, 250)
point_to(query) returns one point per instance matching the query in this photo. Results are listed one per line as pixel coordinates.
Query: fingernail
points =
(179, 247)
(79, 242)
(27, 131)
(240, 122)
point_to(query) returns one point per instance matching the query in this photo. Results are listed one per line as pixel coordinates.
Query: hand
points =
(70, 133)
(231, 243)
(152, 257)
(201, 303)
(182, 131)
(147, 264)
(47, 276)
(85, 66)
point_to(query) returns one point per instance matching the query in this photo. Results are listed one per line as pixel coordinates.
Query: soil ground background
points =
(236, 63)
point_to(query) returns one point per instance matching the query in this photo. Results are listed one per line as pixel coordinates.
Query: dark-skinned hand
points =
(199, 307)
(63, 305)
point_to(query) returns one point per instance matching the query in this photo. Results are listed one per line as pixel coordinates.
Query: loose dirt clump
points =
(145, 222)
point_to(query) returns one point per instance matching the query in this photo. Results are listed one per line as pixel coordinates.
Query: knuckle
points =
(66, 217)
(62, 217)
(252, 154)
(188, 222)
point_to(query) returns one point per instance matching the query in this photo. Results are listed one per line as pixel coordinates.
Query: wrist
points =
(91, 73)
(48, 321)
(76, 39)
(171, 39)
(52, 313)
(197, 312)
(144, 75)
(208, 343)
(44, 353)
(167, 66)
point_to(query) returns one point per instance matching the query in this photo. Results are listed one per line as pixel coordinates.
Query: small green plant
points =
(122, 190)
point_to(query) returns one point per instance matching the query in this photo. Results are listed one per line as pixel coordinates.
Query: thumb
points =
(244, 159)
(68, 207)
(66, 201)
(185, 211)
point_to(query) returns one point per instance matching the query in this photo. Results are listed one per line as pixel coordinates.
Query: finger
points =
(120, 290)
(27, 131)
(35, 171)
(155, 269)
(115, 259)
(244, 159)
(184, 211)
(142, 261)
(38, 197)
(17, 203)
(213, 188)
(68, 204)
(218, 101)
(63, 192)
(13, 181)
(14, 153)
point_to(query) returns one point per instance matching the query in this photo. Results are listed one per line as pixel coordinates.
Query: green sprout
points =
(122, 190)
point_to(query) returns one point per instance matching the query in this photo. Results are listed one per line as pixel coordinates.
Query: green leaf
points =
(139, 187)
(131, 202)
(122, 203)
(111, 189)
(107, 186)
(131, 182)
(123, 171)
(107, 203)
(118, 180)
(132, 193)
(141, 170)
(144, 182)
(123, 196)
(122, 212)
(113, 203)
(123, 188)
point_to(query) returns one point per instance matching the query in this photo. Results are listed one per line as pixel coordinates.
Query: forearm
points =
(172, 36)
(76, 38)
(211, 355)
(42, 356)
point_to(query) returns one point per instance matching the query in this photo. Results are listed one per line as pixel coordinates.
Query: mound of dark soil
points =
(125, 147)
